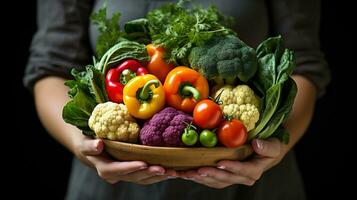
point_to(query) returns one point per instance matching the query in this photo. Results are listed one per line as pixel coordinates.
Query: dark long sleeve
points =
(61, 41)
(298, 21)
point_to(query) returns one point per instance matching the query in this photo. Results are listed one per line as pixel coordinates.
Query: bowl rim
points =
(141, 146)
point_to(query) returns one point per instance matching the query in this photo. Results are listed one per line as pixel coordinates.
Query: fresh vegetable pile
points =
(180, 77)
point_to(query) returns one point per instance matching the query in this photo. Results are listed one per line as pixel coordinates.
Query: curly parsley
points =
(178, 29)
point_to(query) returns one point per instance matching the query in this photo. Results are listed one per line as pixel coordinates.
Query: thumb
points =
(267, 148)
(91, 147)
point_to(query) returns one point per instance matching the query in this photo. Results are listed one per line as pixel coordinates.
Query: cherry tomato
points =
(208, 138)
(207, 114)
(232, 133)
(189, 138)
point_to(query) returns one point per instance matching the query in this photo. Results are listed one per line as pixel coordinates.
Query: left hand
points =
(268, 153)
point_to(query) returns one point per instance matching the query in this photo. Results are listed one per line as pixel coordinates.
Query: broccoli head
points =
(165, 128)
(224, 59)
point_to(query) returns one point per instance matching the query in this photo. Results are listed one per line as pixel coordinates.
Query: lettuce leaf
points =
(86, 91)
(277, 88)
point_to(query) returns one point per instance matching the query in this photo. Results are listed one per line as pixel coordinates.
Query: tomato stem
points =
(228, 117)
(190, 125)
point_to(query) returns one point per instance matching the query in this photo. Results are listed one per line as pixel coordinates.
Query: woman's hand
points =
(51, 96)
(90, 152)
(269, 153)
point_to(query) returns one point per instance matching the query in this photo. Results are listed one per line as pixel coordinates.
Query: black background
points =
(38, 167)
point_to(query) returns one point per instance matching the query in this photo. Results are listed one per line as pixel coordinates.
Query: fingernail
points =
(203, 175)
(259, 144)
(143, 167)
(221, 167)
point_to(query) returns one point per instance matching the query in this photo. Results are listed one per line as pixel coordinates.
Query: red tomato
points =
(207, 114)
(232, 133)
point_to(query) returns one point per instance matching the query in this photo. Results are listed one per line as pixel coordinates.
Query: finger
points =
(263, 163)
(91, 147)
(108, 168)
(252, 169)
(236, 167)
(203, 179)
(267, 148)
(209, 181)
(225, 176)
(143, 174)
(169, 174)
(153, 179)
(187, 175)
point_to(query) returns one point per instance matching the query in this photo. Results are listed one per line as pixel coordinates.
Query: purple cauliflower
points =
(165, 128)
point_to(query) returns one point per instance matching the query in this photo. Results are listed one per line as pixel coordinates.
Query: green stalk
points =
(189, 90)
(126, 75)
(146, 93)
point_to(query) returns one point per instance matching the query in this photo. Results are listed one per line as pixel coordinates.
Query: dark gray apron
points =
(282, 182)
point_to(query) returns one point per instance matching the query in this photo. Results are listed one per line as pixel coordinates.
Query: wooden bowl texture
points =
(178, 158)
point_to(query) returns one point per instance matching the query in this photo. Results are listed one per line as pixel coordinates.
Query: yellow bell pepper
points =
(144, 96)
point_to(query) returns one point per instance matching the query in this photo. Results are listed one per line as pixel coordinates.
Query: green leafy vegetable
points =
(288, 96)
(123, 50)
(86, 91)
(282, 134)
(110, 34)
(278, 89)
(76, 112)
(179, 29)
(109, 30)
(271, 103)
(92, 79)
(138, 30)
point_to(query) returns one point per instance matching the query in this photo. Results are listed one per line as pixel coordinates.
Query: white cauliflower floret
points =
(243, 94)
(112, 121)
(227, 96)
(241, 103)
(247, 113)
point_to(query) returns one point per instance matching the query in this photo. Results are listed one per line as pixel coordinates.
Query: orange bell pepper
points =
(157, 65)
(184, 87)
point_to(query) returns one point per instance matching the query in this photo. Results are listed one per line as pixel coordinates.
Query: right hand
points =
(90, 152)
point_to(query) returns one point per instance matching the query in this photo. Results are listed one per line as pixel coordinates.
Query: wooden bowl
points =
(179, 158)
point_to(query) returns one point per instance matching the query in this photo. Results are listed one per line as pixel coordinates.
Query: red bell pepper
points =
(118, 77)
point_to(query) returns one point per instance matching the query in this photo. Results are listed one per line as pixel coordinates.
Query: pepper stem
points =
(146, 92)
(126, 75)
(189, 90)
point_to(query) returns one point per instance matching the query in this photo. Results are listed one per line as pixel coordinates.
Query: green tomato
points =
(208, 138)
(189, 138)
